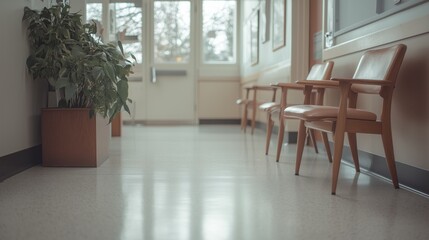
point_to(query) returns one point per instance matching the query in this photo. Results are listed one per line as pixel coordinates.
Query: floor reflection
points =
(203, 183)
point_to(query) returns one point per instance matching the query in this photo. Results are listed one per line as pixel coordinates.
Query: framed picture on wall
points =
(264, 20)
(279, 23)
(254, 38)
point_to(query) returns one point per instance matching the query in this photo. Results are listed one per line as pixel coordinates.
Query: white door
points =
(169, 81)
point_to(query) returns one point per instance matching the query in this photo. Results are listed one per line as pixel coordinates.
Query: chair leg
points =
(338, 152)
(390, 155)
(244, 119)
(327, 147)
(280, 138)
(300, 146)
(270, 124)
(313, 140)
(253, 120)
(353, 148)
(241, 121)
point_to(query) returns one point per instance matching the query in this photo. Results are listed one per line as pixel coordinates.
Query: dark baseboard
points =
(415, 179)
(201, 122)
(17, 162)
(220, 121)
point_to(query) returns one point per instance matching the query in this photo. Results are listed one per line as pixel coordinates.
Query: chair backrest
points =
(321, 71)
(379, 64)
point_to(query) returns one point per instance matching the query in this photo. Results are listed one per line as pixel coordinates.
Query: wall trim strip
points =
(219, 121)
(17, 162)
(410, 178)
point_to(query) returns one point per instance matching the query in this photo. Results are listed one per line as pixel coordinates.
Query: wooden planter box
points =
(116, 125)
(70, 138)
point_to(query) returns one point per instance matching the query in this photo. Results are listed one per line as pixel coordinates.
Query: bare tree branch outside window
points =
(218, 30)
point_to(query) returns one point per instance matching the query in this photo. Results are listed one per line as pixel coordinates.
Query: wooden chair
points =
(252, 103)
(375, 74)
(317, 72)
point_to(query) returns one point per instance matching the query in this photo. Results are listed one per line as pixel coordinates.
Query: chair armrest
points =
(320, 83)
(256, 88)
(288, 86)
(260, 87)
(364, 81)
(264, 87)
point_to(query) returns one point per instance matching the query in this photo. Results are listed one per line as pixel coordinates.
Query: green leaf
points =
(135, 59)
(70, 91)
(62, 103)
(31, 60)
(51, 81)
(66, 33)
(28, 14)
(123, 90)
(121, 47)
(91, 113)
(62, 72)
(77, 51)
(110, 72)
(127, 108)
(61, 83)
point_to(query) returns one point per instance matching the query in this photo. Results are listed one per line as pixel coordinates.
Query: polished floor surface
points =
(205, 182)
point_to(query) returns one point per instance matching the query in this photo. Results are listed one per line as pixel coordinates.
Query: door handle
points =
(153, 75)
(168, 73)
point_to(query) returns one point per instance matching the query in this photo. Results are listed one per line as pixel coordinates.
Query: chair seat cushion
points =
(316, 112)
(269, 106)
(242, 101)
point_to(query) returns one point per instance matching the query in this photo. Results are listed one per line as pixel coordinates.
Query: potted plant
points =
(89, 77)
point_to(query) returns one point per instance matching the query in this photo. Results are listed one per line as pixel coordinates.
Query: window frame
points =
(378, 16)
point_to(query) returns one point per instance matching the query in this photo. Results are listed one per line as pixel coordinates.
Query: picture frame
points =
(265, 20)
(254, 38)
(279, 24)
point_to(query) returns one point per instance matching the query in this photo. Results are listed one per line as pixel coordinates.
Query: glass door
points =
(170, 72)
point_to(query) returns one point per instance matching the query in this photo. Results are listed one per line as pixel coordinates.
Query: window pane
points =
(94, 11)
(126, 20)
(219, 21)
(172, 21)
(94, 15)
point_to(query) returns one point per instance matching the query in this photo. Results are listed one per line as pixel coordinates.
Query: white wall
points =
(20, 97)
(267, 57)
(286, 64)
